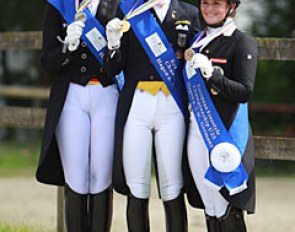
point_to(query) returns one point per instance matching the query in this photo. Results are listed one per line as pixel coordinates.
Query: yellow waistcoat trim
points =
(153, 87)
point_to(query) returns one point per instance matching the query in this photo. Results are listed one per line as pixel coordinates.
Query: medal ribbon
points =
(142, 8)
(82, 6)
(67, 10)
(229, 25)
(146, 29)
(214, 131)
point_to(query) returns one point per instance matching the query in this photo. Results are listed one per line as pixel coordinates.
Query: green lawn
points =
(9, 228)
(18, 158)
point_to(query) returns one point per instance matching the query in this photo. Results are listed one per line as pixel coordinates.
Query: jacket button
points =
(152, 77)
(83, 69)
(101, 69)
(83, 44)
(214, 91)
(83, 56)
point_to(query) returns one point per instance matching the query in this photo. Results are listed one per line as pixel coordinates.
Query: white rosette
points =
(225, 157)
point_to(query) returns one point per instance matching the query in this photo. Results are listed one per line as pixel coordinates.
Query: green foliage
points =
(275, 79)
(275, 82)
(277, 19)
(21, 15)
(275, 168)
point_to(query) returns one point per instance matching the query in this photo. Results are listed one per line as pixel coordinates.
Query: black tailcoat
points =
(79, 67)
(227, 91)
(137, 66)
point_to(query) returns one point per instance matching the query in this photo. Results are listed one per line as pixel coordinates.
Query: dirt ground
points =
(23, 201)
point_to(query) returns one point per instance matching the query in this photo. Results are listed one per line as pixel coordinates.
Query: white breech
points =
(198, 156)
(85, 135)
(157, 116)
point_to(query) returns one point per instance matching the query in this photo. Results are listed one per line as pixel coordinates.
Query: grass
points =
(18, 158)
(277, 168)
(9, 228)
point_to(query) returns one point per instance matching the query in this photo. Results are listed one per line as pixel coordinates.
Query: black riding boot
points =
(75, 211)
(212, 224)
(138, 214)
(101, 211)
(233, 221)
(176, 215)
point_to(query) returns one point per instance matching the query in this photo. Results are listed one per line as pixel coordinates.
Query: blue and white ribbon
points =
(225, 147)
(159, 50)
(94, 34)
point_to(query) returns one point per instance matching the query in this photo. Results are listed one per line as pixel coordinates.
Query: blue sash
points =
(150, 34)
(93, 28)
(214, 132)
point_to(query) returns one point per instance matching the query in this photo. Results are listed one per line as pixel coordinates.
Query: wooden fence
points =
(274, 148)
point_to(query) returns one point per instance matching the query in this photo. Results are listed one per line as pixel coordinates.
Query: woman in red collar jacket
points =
(228, 63)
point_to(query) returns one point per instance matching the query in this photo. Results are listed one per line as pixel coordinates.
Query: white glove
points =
(114, 33)
(204, 64)
(74, 32)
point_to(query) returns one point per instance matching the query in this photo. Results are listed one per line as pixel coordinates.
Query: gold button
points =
(214, 92)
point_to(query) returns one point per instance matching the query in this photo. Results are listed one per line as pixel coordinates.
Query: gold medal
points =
(125, 26)
(80, 16)
(188, 54)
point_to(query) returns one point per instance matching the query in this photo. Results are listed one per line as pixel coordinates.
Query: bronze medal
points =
(125, 26)
(80, 16)
(178, 54)
(188, 54)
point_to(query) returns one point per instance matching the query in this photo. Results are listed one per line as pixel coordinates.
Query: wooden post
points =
(60, 209)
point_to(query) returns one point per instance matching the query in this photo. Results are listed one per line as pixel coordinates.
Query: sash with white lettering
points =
(159, 50)
(94, 34)
(226, 148)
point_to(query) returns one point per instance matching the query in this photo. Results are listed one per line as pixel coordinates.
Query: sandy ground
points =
(23, 201)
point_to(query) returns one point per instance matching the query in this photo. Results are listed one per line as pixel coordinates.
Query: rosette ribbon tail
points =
(235, 181)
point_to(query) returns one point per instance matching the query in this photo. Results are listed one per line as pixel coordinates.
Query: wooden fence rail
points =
(276, 148)
(42, 93)
(269, 48)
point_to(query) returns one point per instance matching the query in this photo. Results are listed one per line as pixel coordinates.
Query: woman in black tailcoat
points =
(148, 115)
(77, 146)
(227, 63)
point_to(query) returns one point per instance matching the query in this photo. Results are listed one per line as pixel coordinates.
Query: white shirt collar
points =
(162, 9)
(93, 6)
